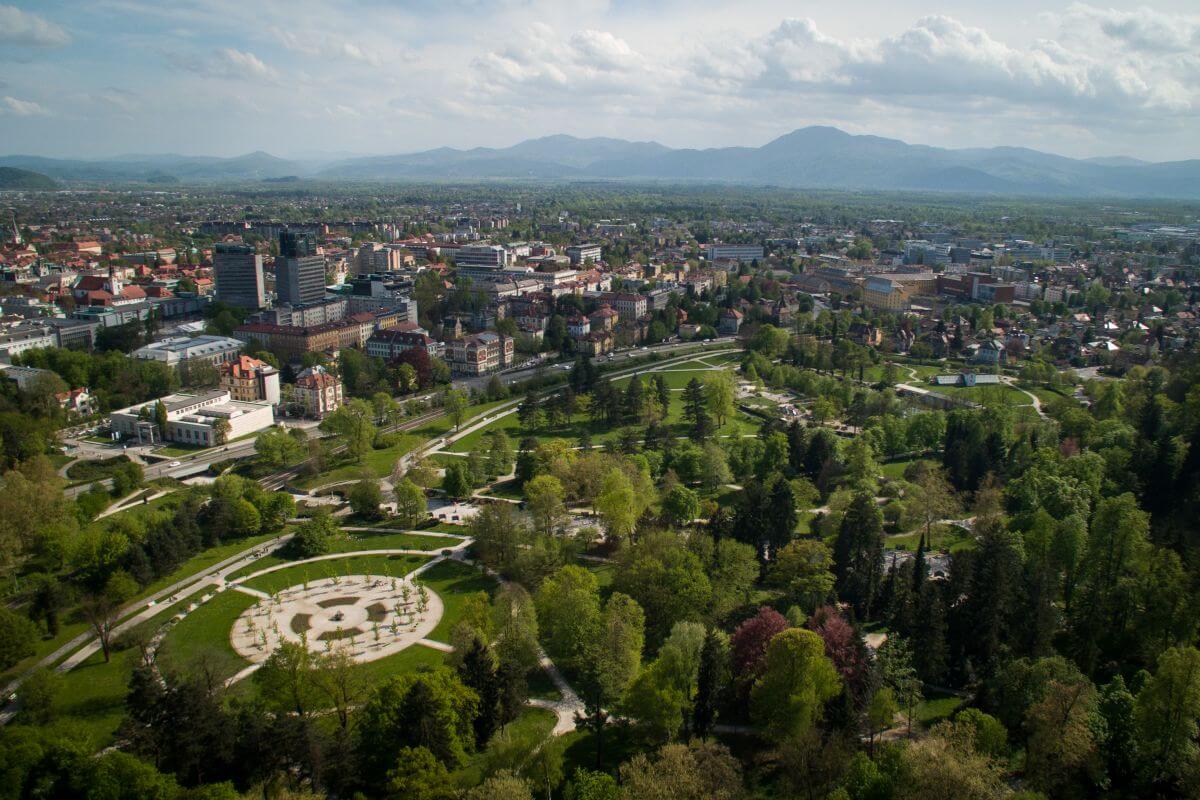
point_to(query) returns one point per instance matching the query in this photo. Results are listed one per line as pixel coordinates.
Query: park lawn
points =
(453, 581)
(935, 708)
(410, 659)
(385, 565)
(677, 376)
(205, 559)
(604, 572)
(354, 541)
(507, 489)
(599, 431)
(536, 723)
(444, 425)
(722, 358)
(998, 394)
(95, 469)
(92, 696)
(203, 637)
(942, 537)
(44, 645)
(447, 527)
(378, 463)
(894, 470)
(71, 626)
(1047, 395)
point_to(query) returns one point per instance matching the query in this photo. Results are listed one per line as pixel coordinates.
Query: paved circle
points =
(368, 616)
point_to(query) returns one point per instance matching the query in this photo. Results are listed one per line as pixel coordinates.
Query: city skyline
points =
(360, 77)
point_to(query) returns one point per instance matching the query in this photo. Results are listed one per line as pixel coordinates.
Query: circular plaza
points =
(367, 616)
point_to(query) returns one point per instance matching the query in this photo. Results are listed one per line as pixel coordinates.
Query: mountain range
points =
(808, 158)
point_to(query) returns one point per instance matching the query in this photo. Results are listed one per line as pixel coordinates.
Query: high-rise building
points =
(239, 274)
(299, 270)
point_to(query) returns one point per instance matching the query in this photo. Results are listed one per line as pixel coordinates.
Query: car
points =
(176, 464)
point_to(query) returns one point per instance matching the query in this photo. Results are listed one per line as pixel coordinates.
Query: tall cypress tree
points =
(858, 554)
(709, 682)
(781, 516)
(664, 393)
(478, 671)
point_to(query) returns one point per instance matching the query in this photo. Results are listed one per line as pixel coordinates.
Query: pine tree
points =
(478, 672)
(634, 400)
(694, 405)
(781, 515)
(918, 577)
(930, 636)
(709, 682)
(858, 554)
(663, 393)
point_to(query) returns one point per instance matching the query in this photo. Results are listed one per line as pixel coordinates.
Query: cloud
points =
(1144, 29)
(940, 61)
(22, 108)
(226, 62)
(19, 28)
(581, 68)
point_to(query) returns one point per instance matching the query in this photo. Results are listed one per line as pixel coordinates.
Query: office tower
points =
(238, 271)
(299, 271)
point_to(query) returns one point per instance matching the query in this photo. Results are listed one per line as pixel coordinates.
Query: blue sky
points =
(301, 77)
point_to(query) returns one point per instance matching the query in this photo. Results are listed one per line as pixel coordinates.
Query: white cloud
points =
(940, 60)
(22, 108)
(19, 27)
(226, 62)
(1144, 29)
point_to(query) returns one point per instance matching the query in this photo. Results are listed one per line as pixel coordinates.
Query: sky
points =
(328, 78)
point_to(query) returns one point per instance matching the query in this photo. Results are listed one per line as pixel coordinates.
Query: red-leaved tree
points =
(843, 645)
(748, 644)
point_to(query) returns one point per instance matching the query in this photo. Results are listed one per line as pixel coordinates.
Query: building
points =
(579, 326)
(603, 319)
(885, 294)
(920, 251)
(582, 253)
(628, 306)
(178, 350)
(299, 270)
(477, 260)
(730, 322)
(292, 341)
(26, 336)
(744, 253)
(249, 380)
(318, 392)
(375, 257)
(388, 344)
(481, 353)
(238, 270)
(980, 286)
(331, 309)
(195, 419)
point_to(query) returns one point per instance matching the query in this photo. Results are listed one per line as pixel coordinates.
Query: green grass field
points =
(942, 537)
(393, 566)
(453, 581)
(378, 463)
(359, 540)
(202, 638)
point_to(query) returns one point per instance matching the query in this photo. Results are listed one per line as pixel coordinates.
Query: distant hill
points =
(811, 158)
(15, 178)
(808, 158)
(159, 168)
